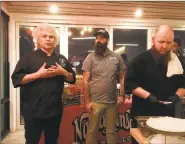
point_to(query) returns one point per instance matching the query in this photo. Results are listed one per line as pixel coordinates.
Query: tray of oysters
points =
(168, 126)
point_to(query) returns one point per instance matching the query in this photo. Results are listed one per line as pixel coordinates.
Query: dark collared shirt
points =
(159, 60)
(144, 72)
(43, 97)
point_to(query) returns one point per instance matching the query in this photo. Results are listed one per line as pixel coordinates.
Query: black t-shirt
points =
(146, 73)
(43, 97)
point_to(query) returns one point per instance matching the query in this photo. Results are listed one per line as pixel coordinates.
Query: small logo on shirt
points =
(113, 58)
(62, 62)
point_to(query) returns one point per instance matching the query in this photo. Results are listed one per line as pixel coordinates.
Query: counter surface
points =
(138, 135)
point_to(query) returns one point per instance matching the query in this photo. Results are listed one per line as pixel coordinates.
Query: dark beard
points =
(162, 58)
(167, 57)
(100, 48)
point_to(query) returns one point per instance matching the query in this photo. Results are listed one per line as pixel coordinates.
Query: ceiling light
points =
(53, 8)
(85, 29)
(31, 28)
(82, 32)
(89, 29)
(138, 13)
(69, 33)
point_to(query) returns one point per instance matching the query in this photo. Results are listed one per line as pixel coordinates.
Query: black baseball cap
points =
(103, 32)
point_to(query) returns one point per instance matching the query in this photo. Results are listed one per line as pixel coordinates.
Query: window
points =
(80, 44)
(129, 42)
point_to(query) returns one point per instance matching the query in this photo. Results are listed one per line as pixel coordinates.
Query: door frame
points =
(5, 101)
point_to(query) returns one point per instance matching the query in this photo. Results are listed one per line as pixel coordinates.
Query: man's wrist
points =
(36, 75)
(65, 73)
(148, 96)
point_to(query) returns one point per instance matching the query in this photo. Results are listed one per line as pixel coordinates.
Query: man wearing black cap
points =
(175, 48)
(179, 110)
(99, 77)
(176, 44)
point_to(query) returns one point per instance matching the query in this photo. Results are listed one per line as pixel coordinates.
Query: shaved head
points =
(163, 29)
(163, 39)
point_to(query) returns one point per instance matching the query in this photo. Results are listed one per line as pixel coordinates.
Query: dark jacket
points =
(146, 73)
(40, 98)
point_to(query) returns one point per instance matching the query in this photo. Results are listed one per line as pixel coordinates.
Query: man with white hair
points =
(41, 75)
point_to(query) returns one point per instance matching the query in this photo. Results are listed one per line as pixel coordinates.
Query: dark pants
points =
(35, 127)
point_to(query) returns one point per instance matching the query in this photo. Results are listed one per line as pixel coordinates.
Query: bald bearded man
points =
(146, 78)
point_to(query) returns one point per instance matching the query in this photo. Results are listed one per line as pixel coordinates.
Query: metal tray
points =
(142, 120)
(149, 139)
(142, 123)
(167, 133)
